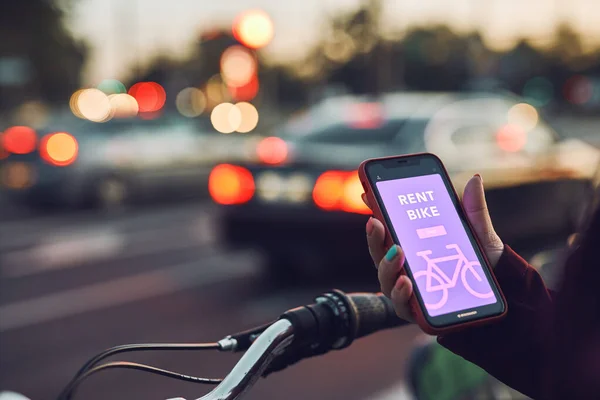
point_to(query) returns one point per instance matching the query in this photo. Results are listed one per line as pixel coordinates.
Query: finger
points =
(389, 269)
(376, 240)
(401, 294)
(365, 200)
(477, 210)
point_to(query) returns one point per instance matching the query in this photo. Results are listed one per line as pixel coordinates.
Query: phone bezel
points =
(420, 165)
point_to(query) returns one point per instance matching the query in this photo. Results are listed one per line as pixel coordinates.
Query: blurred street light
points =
(226, 118)
(524, 116)
(112, 86)
(216, 90)
(578, 90)
(150, 96)
(123, 105)
(190, 102)
(91, 104)
(238, 66)
(246, 92)
(249, 117)
(59, 149)
(19, 140)
(253, 29)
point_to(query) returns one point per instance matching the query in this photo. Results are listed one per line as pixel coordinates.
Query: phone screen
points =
(442, 259)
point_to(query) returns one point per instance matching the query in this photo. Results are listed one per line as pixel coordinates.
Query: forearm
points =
(513, 348)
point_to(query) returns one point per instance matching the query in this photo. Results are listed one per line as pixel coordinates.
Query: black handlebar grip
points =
(373, 312)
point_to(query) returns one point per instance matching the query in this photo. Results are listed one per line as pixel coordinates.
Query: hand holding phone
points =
(451, 277)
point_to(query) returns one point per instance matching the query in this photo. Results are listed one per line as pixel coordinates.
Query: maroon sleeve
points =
(512, 349)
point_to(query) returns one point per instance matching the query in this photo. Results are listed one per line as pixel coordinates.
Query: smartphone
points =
(454, 285)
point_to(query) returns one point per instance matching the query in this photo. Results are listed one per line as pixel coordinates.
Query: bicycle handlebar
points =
(333, 322)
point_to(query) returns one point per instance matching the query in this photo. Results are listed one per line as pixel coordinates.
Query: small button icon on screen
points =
(433, 231)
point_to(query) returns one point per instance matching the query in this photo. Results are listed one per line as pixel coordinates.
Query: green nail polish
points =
(392, 252)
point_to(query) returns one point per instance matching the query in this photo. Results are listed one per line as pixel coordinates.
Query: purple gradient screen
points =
(441, 257)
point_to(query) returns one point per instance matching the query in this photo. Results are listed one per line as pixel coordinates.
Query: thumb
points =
(478, 214)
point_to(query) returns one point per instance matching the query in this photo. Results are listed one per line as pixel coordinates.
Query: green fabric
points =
(447, 376)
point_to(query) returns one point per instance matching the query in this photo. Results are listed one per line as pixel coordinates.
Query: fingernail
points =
(400, 283)
(392, 253)
(370, 226)
(479, 176)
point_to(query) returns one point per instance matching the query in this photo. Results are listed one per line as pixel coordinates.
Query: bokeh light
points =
(578, 90)
(17, 175)
(19, 140)
(272, 150)
(59, 149)
(249, 116)
(226, 118)
(33, 113)
(3, 152)
(538, 91)
(254, 29)
(230, 184)
(190, 102)
(524, 116)
(123, 105)
(73, 104)
(246, 92)
(511, 138)
(351, 197)
(238, 66)
(112, 86)
(92, 104)
(328, 189)
(270, 185)
(216, 90)
(150, 96)
(340, 48)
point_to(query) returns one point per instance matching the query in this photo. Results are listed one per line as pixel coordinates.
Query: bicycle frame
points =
(433, 268)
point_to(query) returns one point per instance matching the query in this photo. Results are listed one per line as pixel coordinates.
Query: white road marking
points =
(80, 249)
(120, 291)
(396, 392)
(21, 233)
(62, 252)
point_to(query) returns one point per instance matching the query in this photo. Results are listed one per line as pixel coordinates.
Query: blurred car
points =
(78, 163)
(298, 198)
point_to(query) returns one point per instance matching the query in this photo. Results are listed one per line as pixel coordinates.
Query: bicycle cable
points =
(127, 348)
(69, 390)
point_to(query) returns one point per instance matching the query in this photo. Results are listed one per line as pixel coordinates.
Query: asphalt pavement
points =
(74, 284)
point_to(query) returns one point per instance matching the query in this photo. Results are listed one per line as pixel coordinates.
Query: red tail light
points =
(272, 150)
(341, 191)
(19, 140)
(511, 138)
(230, 184)
(59, 149)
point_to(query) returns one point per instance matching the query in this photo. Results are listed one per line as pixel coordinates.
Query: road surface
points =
(71, 286)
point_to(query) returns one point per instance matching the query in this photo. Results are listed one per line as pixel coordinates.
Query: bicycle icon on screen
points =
(434, 273)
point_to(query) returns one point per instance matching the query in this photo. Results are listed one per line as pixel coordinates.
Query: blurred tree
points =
(522, 63)
(352, 47)
(39, 58)
(567, 46)
(436, 59)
